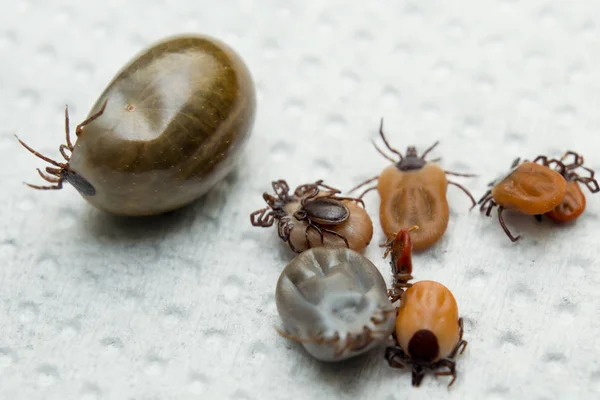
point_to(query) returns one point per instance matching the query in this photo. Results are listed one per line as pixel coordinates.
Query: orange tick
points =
(428, 332)
(529, 188)
(413, 192)
(574, 202)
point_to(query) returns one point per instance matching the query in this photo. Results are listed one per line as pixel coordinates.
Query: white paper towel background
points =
(182, 306)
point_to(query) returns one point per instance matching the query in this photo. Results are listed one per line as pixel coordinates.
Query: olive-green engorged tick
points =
(168, 127)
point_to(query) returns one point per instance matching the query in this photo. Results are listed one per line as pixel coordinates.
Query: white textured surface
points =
(182, 306)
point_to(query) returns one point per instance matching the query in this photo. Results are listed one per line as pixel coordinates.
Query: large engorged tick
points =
(334, 302)
(428, 332)
(315, 215)
(413, 192)
(169, 126)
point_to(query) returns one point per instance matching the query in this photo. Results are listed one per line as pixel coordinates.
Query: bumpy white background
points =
(182, 306)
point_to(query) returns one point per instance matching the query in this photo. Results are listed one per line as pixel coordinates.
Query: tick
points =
(169, 126)
(315, 215)
(334, 302)
(400, 248)
(413, 192)
(529, 187)
(428, 332)
(574, 202)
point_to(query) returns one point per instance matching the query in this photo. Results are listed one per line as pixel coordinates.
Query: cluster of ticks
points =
(334, 301)
(132, 157)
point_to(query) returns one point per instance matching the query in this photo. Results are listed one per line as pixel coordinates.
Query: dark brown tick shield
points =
(326, 211)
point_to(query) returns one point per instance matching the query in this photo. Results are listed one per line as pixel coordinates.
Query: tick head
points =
(411, 161)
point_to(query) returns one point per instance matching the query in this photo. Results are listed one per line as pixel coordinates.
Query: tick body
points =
(413, 192)
(400, 248)
(169, 126)
(574, 202)
(529, 188)
(315, 215)
(334, 302)
(428, 332)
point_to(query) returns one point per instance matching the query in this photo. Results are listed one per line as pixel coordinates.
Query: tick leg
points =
(451, 365)
(90, 119)
(433, 146)
(461, 345)
(590, 171)
(548, 163)
(310, 196)
(382, 153)
(538, 217)
(263, 218)
(485, 197)
(48, 178)
(363, 183)
(489, 210)
(288, 232)
(347, 343)
(578, 159)
(37, 154)
(394, 295)
(320, 183)
(366, 191)
(390, 148)
(357, 200)
(589, 182)
(58, 186)
(459, 174)
(281, 188)
(336, 234)
(311, 225)
(417, 376)
(63, 148)
(283, 230)
(466, 192)
(501, 219)
(54, 171)
(543, 159)
(287, 229)
(68, 134)
(302, 189)
(396, 358)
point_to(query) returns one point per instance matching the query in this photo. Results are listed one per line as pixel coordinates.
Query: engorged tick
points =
(413, 192)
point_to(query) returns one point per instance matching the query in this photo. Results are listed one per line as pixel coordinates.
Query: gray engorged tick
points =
(334, 302)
